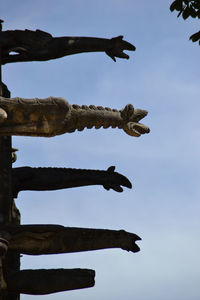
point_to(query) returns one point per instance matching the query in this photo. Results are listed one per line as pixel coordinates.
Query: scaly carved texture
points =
(40, 46)
(40, 179)
(54, 116)
(52, 239)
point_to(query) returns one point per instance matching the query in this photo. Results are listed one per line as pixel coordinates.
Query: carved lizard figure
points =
(40, 179)
(53, 239)
(40, 46)
(54, 116)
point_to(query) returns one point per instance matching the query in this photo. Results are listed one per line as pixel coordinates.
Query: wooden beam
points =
(9, 262)
(53, 239)
(41, 282)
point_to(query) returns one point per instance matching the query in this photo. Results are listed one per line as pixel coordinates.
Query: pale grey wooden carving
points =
(54, 116)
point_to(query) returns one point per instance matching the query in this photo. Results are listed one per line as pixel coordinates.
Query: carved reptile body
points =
(54, 116)
(40, 179)
(52, 239)
(41, 46)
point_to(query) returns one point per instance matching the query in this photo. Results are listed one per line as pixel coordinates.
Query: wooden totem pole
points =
(49, 117)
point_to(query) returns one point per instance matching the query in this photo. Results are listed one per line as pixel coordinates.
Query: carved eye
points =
(70, 42)
(16, 50)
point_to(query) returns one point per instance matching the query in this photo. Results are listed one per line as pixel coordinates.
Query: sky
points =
(161, 76)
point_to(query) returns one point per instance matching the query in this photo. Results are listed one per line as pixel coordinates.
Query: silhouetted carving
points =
(41, 179)
(53, 239)
(40, 282)
(54, 116)
(50, 117)
(41, 46)
(14, 155)
(3, 246)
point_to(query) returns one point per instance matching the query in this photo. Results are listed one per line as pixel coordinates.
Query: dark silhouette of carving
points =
(47, 118)
(41, 179)
(54, 116)
(41, 282)
(53, 239)
(41, 46)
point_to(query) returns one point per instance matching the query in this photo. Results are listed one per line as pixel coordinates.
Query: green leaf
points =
(179, 13)
(196, 5)
(198, 14)
(193, 12)
(195, 37)
(173, 6)
(176, 5)
(186, 13)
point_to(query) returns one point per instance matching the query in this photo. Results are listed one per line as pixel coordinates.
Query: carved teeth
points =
(136, 129)
(54, 116)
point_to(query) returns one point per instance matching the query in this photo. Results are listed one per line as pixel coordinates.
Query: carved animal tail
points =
(97, 116)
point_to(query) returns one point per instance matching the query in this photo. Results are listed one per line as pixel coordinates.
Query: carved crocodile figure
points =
(54, 116)
(40, 46)
(40, 179)
(52, 239)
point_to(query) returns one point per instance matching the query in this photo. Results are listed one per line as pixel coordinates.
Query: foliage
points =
(188, 8)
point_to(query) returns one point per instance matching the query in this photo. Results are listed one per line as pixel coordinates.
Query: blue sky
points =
(162, 76)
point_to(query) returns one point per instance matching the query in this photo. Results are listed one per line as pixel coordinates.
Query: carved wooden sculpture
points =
(54, 116)
(41, 282)
(50, 117)
(52, 239)
(40, 46)
(41, 179)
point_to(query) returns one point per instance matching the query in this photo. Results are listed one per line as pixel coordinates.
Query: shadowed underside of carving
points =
(40, 179)
(53, 239)
(54, 116)
(38, 45)
(41, 282)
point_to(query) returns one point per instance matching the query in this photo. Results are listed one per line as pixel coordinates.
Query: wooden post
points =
(8, 262)
(57, 239)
